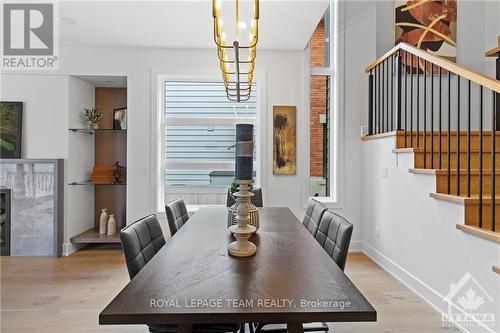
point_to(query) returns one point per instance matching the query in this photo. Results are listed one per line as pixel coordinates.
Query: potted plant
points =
(94, 116)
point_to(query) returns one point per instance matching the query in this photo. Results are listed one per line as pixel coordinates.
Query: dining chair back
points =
(334, 235)
(314, 212)
(177, 215)
(256, 199)
(140, 242)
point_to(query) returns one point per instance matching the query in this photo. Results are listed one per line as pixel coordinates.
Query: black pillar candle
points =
(244, 152)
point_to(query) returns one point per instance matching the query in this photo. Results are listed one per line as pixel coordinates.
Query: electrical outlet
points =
(377, 232)
(364, 130)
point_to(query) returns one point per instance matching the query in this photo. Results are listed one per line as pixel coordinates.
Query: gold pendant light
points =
(237, 59)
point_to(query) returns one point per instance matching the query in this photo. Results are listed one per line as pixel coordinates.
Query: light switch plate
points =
(384, 172)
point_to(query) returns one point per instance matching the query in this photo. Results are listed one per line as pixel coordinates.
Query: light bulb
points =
(242, 25)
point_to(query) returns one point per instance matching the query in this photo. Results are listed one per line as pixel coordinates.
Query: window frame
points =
(159, 122)
(336, 93)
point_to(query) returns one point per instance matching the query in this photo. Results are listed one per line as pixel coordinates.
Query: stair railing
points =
(397, 100)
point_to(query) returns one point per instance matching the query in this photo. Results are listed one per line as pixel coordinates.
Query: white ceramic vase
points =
(103, 221)
(111, 225)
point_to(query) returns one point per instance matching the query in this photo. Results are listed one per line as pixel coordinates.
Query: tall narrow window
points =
(319, 116)
(199, 127)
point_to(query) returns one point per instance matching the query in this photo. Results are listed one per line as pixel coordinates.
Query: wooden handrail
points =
(480, 79)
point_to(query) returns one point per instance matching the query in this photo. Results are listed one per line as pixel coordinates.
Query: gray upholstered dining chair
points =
(141, 241)
(177, 215)
(314, 212)
(333, 233)
(256, 199)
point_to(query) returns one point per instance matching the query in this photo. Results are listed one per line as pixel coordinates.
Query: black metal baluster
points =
(417, 66)
(393, 58)
(480, 222)
(411, 101)
(398, 59)
(468, 140)
(432, 116)
(459, 136)
(493, 168)
(387, 95)
(425, 114)
(449, 135)
(370, 103)
(378, 98)
(440, 115)
(382, 67)
(406, 98)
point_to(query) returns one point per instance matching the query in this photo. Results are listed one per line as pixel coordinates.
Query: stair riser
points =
(472, 216)
(444, 141)
(419, 160)
(442, 184)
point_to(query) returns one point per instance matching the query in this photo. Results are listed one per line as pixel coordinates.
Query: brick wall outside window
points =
(318, 102)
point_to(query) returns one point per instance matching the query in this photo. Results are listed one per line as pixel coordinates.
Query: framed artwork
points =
(428, 25)
(11, 120)
(120, 119)
(284, 140)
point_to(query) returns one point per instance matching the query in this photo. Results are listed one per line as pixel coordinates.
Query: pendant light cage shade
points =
(236, 59)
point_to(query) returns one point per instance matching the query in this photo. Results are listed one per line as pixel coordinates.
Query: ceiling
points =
(283, 25)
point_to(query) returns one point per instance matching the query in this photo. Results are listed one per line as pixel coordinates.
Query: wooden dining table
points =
(193, 280)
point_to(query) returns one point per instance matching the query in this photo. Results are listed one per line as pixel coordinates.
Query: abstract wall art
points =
(10, 129)
(430, 25)
(284, 140)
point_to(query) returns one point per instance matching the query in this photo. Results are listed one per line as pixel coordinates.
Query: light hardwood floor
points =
(67, 294)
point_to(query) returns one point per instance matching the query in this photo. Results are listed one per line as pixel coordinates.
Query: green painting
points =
(10, 129)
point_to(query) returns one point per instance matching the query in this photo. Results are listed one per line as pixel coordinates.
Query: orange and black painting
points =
(428, 25)
(284, 140)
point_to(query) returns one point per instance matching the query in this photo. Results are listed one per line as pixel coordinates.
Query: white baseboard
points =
(356, 246)
(70, 248)
(418, 287)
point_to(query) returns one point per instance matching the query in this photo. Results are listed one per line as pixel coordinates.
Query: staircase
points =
(451, 125)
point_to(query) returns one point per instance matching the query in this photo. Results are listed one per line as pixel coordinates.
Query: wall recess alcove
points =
(105, 146)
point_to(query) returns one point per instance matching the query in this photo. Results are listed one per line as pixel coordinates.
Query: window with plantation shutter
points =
(199, 131)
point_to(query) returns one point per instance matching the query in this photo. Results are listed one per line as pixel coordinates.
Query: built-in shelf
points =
(88, 182)
(92, 131)
(92, 236)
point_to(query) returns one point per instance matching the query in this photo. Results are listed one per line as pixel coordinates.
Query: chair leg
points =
(258, 329)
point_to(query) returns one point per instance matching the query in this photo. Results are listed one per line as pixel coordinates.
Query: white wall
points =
(357, 22)
(45, 114)
(283, 81)
(414, 237)
(79, 200)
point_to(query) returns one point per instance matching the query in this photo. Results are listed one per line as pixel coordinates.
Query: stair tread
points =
(473, 200)
(444, 172)
(480, 232)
